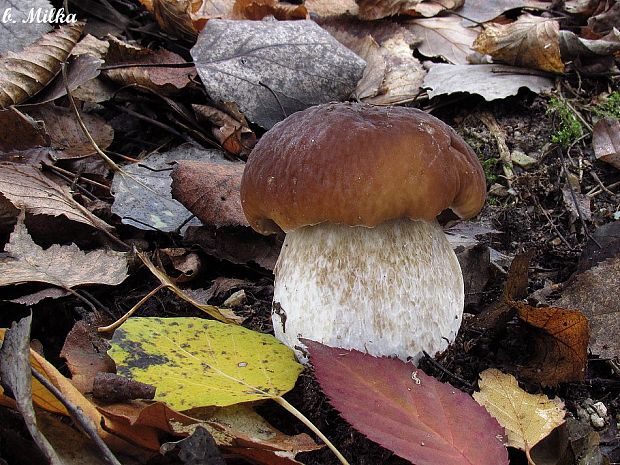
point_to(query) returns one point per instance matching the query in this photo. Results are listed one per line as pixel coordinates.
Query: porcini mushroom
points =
(357, 188)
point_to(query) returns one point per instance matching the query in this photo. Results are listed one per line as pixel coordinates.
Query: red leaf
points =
(414, 415)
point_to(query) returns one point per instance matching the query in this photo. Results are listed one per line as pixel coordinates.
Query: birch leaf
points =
(527, 418)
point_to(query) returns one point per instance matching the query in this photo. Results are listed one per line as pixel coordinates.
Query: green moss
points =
(609, 107)
(569, 127)
(488, 166)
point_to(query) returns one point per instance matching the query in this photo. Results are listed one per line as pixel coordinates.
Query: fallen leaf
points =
(86, 355)
(572, 46)
(195, 362)
(230, 128)
(444, 37)
(25, 73)
(377, 9)
(481, 11)
(15, 375)
(530, 41)
(199, 447)
(142, 196)
(66, 135)
(26, 188)
(590, 293)
(603, 244)
(14, 35)
(414, 415)
(61, 266)
(606, 141)
(210, 190)
(528, 418)
(18, 131)
(166, 80)
(578, 204)
(271, 69)
(605, 21)
(109, 387)
(489, 81)
(326, 8)
(236, 244)
(561, 344)
(260, 9)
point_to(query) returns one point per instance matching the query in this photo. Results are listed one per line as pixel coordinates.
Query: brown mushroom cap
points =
(359, 165)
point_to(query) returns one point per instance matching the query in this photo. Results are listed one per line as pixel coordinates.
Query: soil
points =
(531, 217)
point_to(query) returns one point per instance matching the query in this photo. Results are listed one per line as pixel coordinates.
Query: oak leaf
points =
(404, 410)
(61, 266)
(531, 42)
(561, 344)
(527, 418)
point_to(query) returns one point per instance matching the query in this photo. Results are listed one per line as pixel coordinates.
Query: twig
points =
(78, 416)
(552, 224)
(132, 310)
(603, 188)
(445, 371)
(76, 177)
(152, 121)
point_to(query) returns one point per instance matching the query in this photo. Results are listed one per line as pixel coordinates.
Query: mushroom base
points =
(396, 289)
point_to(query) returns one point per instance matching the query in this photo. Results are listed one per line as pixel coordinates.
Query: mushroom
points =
(365, 264)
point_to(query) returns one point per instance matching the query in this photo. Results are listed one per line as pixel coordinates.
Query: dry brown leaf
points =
(166, 80)
(25, 73)
(230, 129)
(527, 418)
(19, 131)
(61, 266)
(604, 21)
(86, 355)
(591, 293)
(173, 16)
(26, 188)
(606, 141)
(444, 37)
(210, 190)
(66, 135)
(326, 8)
(481, 11)
(377, 9)
(259, 9)
(561, 344)
(531, 42)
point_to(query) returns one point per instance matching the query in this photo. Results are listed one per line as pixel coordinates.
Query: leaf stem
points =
(301, 417)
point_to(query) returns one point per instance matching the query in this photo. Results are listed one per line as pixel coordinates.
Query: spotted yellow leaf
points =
(195, 362)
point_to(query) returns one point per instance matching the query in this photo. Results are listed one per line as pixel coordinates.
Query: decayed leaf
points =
(414, 415)
(531, 42)
(606, 141)
(195, 362)
(444, 37)
(230, 128)
(482, 11)
(15, 374)
(271, 69)
(604, 21)
(143, 198)
(85, 354)
(210, 191)
(65, 134)
(61, 266)
(561, 347)
(489, 81)
(326, 8)
(25, 73)
(166, 80)
(528, 418)
(590, 292)
(200, 446)
(26, 187)
(225, 315)
(573, 46)
(18, 132)
(14, 35)
(377, 9)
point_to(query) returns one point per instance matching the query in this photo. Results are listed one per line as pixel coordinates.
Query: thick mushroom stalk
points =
(395, 289)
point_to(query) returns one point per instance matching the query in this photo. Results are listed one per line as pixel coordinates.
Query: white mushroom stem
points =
(395, 289)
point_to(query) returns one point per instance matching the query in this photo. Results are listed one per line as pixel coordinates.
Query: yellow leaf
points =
(195, 362)
(527, 418)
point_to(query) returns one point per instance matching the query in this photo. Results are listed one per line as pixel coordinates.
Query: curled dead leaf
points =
(531, 42)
